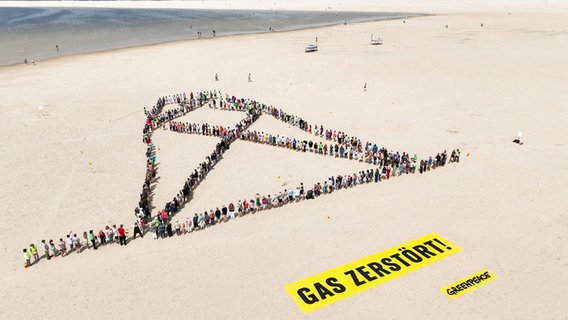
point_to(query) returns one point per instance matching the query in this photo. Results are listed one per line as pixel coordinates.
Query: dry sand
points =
(80, 165)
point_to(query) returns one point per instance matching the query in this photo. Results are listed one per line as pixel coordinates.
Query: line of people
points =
(155, 118)
(73, 243)
(390, 164)
(338, 144)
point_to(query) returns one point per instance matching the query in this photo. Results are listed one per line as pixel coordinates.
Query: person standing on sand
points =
(27, 257)
(70, 243)
(93, 239)
(177, 226)
(33, 251)
(164, 216)
(76, 243)
(110, 235)
(102, 237)
(169, 229)
(115, 233)
(224, 213)
(232, 211)
(62, 247)
(196, 222)
(57, 48)
(217, 214)
(86, 237)
(154, 231)
(46, 249)
(137, 230)
(162, 230)
(52, 247)
(365, 87)
(122, 235)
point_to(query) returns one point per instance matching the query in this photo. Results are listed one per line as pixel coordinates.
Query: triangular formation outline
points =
(338, 145)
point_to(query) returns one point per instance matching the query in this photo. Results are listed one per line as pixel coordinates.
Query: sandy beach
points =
(78, 163)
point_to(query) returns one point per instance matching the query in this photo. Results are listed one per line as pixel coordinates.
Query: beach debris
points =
(518, 138)
(41, 110)
(376, 41)
(310, 47)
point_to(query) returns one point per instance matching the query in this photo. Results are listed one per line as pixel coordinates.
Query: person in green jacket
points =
(28, 257)
(93, 239)
(33, 251)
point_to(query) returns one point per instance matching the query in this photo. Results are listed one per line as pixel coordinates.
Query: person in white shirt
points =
(70, 243)
(76, 242)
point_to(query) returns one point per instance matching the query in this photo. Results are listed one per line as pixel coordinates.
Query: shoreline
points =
(238, 34)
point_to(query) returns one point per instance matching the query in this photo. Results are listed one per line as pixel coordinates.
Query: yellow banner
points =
(465, 285)
(333, 285)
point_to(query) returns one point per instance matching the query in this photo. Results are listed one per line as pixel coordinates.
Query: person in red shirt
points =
(122, 235)
(164, 217)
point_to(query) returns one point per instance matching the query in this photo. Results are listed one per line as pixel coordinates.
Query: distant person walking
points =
(250, 79)
(57, 48)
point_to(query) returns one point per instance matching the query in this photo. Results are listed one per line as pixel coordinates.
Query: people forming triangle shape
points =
(383, 163)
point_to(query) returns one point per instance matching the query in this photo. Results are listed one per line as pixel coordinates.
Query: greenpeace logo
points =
(468, 284)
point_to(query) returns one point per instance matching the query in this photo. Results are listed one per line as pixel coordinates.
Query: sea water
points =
(43, 33)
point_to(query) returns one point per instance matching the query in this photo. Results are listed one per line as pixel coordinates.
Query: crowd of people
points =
(338, 144)
(332, 143)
